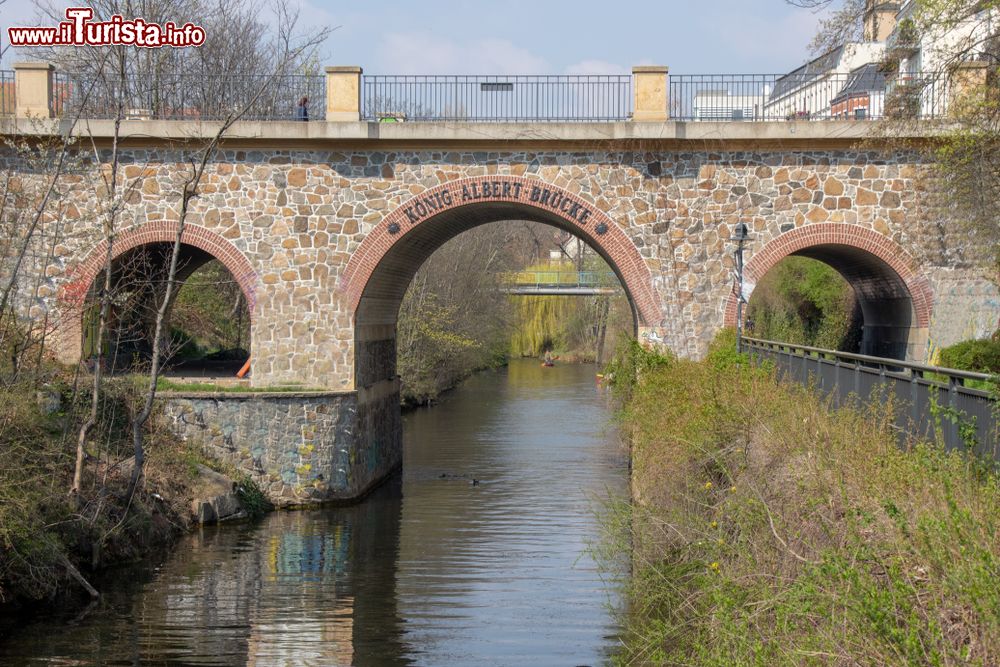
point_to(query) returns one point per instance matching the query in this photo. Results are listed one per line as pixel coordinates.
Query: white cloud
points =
(423, 53)
(782, 42)
(597, 67)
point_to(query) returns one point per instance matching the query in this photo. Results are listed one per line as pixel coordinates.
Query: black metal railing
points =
(62, 91)
(865, 94)
(173, 96)
(497, 98)
(7, 89)
(932, 402)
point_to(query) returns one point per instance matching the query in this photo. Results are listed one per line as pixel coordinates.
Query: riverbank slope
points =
(771, 529)
(50, 543)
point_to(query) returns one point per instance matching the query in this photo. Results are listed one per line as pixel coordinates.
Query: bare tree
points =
(446, 327)
(41, 174)
(162, 78)
(239, 61)
(291, 48)
(843, 23)
(111, 207)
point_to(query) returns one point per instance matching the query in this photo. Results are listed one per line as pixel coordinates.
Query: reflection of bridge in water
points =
(561, 283)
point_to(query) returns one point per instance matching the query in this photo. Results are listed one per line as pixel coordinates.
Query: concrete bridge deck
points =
(314, 134)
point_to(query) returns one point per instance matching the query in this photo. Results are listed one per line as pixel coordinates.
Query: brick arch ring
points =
(72, 296)
(835, 233)
(576, 213)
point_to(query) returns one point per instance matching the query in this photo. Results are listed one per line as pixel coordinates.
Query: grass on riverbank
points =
(43, 533)
(771, 529)
(168, 384)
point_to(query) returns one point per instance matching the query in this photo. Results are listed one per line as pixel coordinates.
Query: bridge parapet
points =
(33, 90)
(346, 95)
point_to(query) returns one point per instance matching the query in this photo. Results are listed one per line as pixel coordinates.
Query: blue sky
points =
(547, 36)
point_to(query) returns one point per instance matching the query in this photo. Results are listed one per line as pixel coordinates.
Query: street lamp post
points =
(740, 235)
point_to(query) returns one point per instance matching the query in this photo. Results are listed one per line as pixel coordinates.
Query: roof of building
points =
(811, 70)
(865, 79)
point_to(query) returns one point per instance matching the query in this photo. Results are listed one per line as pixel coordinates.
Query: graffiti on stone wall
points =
(298, 448)
(962, 311)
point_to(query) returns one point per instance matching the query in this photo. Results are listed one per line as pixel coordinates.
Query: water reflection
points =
(431, 569)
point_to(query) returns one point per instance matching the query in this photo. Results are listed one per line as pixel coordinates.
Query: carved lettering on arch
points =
(499, 188)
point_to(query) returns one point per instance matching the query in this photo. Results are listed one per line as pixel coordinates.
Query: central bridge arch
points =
(381, 269)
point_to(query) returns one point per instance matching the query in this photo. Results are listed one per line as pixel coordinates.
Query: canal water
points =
(478, 554)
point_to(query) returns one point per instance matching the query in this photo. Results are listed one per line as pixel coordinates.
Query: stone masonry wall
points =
(300, 448)
(296, 217)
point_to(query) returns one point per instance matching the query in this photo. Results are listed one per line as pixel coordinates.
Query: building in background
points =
(809, 91)
(722, 103)
(862, 96)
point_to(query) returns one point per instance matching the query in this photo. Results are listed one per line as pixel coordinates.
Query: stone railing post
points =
(966, 88)
(343, 94)
(33, 90)
(649, 87)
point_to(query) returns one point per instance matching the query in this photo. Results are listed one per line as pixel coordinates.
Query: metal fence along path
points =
(930, 400)
(179, 96)
(865, 94)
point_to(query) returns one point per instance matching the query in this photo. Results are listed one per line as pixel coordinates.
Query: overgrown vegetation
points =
(966, 161)
(87, 475)
(42, 533)
(771, 529)
(980, 355)
(210, 317)
(805, 301)
(166, 384)
(574, 327)
(252, 497)
(454, 318)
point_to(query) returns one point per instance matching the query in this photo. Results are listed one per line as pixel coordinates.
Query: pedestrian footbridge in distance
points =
(560, 282)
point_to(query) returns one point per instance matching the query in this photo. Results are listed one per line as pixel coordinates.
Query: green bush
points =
(252, 497)
(630, 363)
(981, 356)
(42, 528)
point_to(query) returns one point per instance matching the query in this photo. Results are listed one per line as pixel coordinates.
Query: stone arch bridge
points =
(324, 224)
